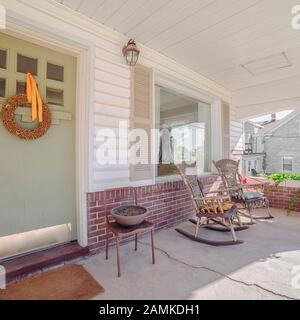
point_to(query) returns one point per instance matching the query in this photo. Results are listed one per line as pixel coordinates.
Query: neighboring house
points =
(273, 147)
(281, 140)
(253, 155)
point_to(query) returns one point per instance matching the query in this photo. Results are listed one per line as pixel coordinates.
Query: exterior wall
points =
(256, 162)
(260, 148)
(285, 141)
(108, 101)
(249, 131)
(250, 136)
(110, 98)
(236, 135)
(249, 128)
(168, 204)
(253, 158)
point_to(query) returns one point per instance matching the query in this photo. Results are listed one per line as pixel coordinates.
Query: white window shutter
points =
(141, 117)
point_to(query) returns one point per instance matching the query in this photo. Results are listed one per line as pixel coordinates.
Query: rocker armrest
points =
(253, 185)
(211, 198)
(245, 186)
(222, 190)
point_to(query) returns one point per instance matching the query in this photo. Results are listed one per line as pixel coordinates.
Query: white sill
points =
(176, 177)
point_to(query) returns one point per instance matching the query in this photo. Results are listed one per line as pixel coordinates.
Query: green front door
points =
(37, 178)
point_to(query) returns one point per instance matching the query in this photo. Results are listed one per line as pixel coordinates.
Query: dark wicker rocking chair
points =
(210, 213)
(247, 196)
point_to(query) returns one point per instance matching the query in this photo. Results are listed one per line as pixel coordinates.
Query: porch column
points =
(216, 130)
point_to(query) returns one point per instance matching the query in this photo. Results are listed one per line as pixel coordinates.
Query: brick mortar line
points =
(220, 273)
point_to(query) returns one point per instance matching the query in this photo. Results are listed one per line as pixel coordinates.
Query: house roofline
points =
(279, 124)
(254, 124)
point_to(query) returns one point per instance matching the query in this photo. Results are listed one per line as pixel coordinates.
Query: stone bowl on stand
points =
(129, 215)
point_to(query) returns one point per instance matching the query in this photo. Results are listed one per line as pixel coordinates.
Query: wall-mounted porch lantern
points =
(131, 53)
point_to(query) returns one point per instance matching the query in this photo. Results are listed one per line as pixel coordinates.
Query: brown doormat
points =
(71, 282)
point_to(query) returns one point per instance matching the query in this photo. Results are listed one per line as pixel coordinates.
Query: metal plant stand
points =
(120, 232)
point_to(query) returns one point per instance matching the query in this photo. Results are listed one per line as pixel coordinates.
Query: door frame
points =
(84, 51)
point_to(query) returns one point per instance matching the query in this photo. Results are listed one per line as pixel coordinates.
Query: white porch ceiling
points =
(212, 37)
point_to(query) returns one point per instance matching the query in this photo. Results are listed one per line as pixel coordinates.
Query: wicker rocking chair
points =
(247, 196)
(212, 212)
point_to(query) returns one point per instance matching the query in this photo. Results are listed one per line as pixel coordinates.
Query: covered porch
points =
(203, 66)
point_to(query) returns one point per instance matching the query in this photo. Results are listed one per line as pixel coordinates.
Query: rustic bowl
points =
(124, 218)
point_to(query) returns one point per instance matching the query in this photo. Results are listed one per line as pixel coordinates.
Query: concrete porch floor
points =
(261, 268)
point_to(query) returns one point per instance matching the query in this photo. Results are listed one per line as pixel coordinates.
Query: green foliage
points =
(280, 177)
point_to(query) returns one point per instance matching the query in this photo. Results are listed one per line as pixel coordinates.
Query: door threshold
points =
(19, 267)
(24, 254)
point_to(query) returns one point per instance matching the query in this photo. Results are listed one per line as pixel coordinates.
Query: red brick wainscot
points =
(168, 204)
(283, 197)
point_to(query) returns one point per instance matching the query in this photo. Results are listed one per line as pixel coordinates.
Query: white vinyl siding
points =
(236, 131)
(111, 104)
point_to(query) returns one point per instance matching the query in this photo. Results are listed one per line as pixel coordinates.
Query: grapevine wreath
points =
(8, 117)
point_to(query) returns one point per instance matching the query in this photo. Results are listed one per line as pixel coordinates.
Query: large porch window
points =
(184, 126)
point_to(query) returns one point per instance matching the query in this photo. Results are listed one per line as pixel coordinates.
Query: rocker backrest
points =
(229, 171)
(192, 184)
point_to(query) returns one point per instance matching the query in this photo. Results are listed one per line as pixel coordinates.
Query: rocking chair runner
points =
(240, 193)
(210, 211)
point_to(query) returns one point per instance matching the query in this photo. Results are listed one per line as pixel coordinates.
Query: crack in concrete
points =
(220, 274)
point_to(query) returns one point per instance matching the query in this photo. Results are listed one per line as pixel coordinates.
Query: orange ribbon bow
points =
(33, 97)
